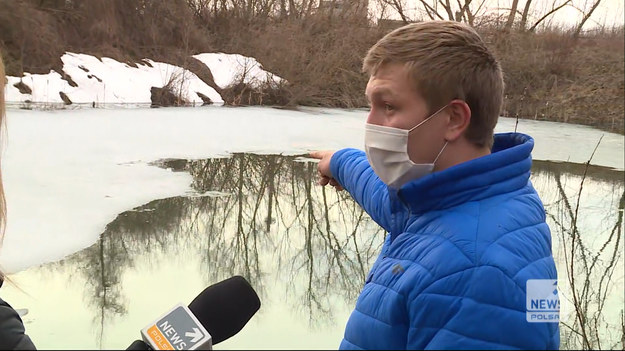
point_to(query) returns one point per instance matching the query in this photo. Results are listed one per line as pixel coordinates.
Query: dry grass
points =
(320, 56)
(552, 76)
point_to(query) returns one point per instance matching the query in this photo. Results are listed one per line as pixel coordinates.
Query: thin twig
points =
(578, 313)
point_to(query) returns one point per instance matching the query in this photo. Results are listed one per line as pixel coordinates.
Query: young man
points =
(466, 229)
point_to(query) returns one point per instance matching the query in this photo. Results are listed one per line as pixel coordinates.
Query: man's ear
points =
(459, 119)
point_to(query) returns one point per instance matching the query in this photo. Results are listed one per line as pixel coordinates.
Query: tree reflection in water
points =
(584, 206)
(263, 217)
(259, 216)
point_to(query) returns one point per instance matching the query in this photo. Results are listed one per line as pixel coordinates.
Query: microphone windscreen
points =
(225, 307)
(139, 345)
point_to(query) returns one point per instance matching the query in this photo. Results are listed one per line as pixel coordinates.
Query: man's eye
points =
(388, 107)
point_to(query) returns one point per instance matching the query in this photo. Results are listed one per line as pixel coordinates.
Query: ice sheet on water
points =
(305, 159)
(209, 194)
(68, 174)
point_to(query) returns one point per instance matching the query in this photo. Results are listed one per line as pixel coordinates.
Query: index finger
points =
(316, 154)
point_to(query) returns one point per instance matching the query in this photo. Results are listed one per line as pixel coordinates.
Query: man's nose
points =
(374, 117)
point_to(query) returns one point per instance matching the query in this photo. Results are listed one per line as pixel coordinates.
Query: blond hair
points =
(3, 208)
(447, 60)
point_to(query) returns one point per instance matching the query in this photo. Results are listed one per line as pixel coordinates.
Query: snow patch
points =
(229, 69)
(44, 88)
(107, 81)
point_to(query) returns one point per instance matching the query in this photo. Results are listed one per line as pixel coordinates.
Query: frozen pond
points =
(116, 215)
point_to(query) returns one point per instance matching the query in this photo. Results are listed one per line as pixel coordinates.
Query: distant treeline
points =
(558, 74)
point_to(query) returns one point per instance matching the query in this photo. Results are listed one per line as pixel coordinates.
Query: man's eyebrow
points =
(381, 92)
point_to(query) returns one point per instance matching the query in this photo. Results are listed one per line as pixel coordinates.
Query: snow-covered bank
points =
(95, 82)
(68, 174)
(233, 68)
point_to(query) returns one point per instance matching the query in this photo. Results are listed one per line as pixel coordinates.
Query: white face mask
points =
(387, 152)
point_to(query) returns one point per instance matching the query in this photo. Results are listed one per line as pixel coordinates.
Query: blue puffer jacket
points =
(462, 243)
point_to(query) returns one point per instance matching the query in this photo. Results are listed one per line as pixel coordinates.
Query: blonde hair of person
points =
(3, 209)
(446, 60)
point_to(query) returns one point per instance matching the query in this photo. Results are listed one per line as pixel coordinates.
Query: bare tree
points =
(447, 6)
(453, 14)
(586, 17)
(526, 10)
(460, 11)
(512, 14)
(431, 11)
(471, 14)
(398, 6)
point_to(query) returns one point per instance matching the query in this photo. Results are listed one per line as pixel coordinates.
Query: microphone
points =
(216, 314)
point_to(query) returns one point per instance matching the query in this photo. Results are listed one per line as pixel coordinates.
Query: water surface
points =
(304, 248)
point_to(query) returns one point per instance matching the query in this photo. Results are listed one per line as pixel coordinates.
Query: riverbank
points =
(89, 81)
(551, 73)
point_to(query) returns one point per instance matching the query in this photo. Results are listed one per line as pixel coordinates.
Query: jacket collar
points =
(506, 169)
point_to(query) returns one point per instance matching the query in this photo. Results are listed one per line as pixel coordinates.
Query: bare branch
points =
(577, 304)
(587, 15)
(431, 11)
(447, 6)
(462, 14)
(400, 10)
(398, 7)
(553, 10)
(479, 8)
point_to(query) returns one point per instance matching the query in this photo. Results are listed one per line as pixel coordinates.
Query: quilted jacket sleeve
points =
(352, 170)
